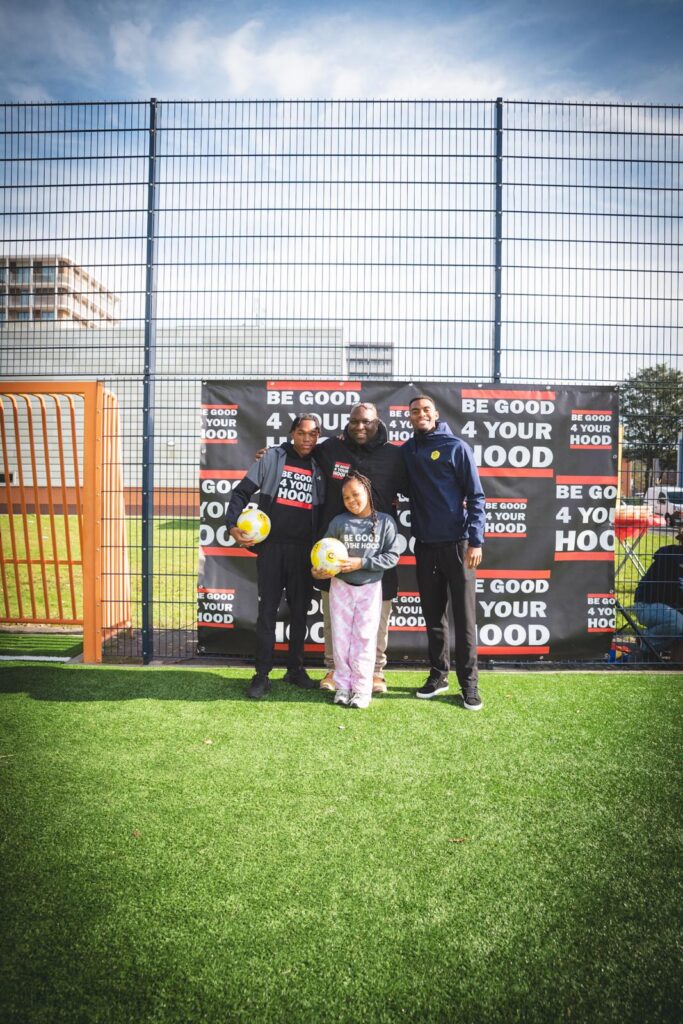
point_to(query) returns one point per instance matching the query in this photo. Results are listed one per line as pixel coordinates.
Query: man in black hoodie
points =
(364, 447)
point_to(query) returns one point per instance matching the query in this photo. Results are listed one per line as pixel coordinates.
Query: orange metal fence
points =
(63, 550)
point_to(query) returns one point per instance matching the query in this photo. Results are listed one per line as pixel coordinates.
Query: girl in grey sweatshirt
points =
(372, 543)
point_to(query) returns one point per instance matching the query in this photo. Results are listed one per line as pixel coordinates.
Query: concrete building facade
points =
(45, 288)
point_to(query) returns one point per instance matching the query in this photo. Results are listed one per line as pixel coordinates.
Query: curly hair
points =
(365, 482)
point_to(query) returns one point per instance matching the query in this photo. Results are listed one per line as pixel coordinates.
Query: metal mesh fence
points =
(153, 245)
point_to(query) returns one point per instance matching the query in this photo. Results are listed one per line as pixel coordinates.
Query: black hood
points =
(377, 441)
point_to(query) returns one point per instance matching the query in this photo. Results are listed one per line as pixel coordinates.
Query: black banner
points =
(548, 464)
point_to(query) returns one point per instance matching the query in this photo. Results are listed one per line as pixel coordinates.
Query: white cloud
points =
(237, 58)
(188, 47)
(130, 42)
(328, 57)
(28, 92)
(51, 42)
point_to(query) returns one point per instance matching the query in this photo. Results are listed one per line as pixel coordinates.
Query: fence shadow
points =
(64, 683)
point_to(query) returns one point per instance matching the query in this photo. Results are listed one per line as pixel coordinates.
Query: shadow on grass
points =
(69, 683)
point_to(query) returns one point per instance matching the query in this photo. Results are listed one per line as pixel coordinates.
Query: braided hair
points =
(363, 480)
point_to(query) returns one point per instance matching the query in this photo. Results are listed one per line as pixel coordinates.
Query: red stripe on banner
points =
(497, 393)
(491, 501)
(601, 629)
(586, 480)
(399, 408)
(513, 574)
(216, 625)
(407, 629)
(294, 504)
(513, 650)
(212, 440)
(599, 595)
(507, 536)
(407, 560)
(230, 552)
(307, 647)
(408, 593)
(592, 412)
(296, 469)
(584, 556)
(233, 408)
(490, 471)
(397, 443)
(590, 447)
(315, 385)
(222, 590)
(222, 474)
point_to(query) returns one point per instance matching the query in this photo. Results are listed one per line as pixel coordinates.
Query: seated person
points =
(659, 599)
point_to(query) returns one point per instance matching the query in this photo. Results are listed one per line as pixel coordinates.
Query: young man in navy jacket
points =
(447, 511)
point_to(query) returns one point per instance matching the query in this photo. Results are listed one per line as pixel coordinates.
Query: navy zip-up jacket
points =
(447, 502)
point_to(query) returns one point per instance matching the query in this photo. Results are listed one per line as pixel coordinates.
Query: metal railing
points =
(520, 242)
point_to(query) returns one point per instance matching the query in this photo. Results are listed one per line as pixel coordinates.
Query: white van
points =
(665, 501)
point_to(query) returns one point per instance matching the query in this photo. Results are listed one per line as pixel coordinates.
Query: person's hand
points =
(350, 564)
(242, 540)
(260, 453)
(473, 558)
(321, 574)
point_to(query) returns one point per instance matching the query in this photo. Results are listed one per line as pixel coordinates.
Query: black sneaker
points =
(471, 700)
(300, 677)
(259, 687)
(432, 687)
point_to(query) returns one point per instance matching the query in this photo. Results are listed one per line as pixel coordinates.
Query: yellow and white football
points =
(254, 522)
(327, 554)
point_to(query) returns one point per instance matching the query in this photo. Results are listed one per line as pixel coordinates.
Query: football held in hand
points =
(328, 554)
(255, 523)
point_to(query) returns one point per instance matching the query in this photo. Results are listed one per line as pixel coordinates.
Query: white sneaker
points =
(360, 700)
(342, 697)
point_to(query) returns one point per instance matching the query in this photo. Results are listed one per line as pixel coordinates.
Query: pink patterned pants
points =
(354, 614)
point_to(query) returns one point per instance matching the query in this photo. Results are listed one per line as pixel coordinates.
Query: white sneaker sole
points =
(473, 707)
(428, 696)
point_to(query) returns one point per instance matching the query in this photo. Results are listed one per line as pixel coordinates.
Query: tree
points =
(652, 414)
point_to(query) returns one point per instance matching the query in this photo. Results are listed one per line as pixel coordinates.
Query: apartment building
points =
(44, 288)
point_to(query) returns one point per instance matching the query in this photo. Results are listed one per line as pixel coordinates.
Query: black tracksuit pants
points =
(282, 566)
(440, 569)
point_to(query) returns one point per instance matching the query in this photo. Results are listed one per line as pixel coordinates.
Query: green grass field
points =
(175, 853)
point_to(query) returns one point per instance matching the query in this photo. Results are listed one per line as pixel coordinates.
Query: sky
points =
(86, 50)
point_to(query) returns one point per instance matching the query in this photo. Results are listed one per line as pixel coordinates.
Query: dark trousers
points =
(282, 567)
(440, 569)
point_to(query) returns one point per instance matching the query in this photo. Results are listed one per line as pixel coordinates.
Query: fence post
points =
(148, 398)
(498, 232)
(91, 553)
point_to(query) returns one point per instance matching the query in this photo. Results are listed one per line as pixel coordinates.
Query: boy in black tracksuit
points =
(291, 489)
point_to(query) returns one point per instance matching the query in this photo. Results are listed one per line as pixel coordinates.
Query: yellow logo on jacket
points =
(436, 455)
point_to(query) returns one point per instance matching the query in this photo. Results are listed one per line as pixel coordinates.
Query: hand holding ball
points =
(255, 523)
(329, 554)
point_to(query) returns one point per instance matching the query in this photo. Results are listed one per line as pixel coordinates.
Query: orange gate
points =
(63, 547)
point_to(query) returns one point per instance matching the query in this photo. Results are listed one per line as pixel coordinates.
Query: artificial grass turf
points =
(414, 862)
(57, 645)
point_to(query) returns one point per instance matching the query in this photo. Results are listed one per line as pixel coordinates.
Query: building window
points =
(22, 316)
